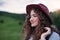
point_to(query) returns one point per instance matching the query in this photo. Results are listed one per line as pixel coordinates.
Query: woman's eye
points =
(35, 15)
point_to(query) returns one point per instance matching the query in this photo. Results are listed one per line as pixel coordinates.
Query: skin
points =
(34, 19)
(34, 22)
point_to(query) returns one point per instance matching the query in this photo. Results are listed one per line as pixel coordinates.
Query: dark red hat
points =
(42, 7)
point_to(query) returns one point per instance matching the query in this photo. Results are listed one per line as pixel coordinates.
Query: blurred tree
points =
(1, 21)
(56, 19)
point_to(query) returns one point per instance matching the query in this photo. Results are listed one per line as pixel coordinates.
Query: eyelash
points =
(34, 16)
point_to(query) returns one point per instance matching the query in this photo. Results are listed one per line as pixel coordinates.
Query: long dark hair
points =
(37, 31)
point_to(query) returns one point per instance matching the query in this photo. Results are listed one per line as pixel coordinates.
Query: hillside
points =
(11, 26)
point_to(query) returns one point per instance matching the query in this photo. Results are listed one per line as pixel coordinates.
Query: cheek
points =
(36, 20)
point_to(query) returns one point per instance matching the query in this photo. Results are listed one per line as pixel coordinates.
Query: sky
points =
(19, 6)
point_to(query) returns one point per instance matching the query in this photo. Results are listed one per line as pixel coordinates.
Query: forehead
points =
(32, 12)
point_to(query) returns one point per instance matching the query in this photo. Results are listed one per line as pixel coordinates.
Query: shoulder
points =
(54, 36)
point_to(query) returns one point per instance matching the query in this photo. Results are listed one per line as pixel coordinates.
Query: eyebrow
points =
(33, 14)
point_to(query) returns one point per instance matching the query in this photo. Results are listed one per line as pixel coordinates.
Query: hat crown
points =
(44, 8)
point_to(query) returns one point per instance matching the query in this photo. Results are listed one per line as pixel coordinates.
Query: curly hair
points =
(37, 31)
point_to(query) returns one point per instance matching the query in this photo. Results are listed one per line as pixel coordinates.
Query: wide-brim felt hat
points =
(42, 7)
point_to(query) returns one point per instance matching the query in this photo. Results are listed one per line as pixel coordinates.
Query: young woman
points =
(38, 24)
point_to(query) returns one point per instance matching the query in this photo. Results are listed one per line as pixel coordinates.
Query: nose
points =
(31, 19)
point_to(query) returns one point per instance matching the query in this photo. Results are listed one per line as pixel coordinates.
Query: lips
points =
(32, 22)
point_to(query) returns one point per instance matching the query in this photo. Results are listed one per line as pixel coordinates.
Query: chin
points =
(33, 25)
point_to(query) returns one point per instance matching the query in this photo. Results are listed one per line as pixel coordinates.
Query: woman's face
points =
(34, 19)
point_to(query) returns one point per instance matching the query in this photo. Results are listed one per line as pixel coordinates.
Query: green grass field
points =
(10, 29)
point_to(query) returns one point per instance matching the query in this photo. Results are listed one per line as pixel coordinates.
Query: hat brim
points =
(29, 7)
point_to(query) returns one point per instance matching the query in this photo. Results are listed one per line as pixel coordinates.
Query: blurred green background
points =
(11, 25)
